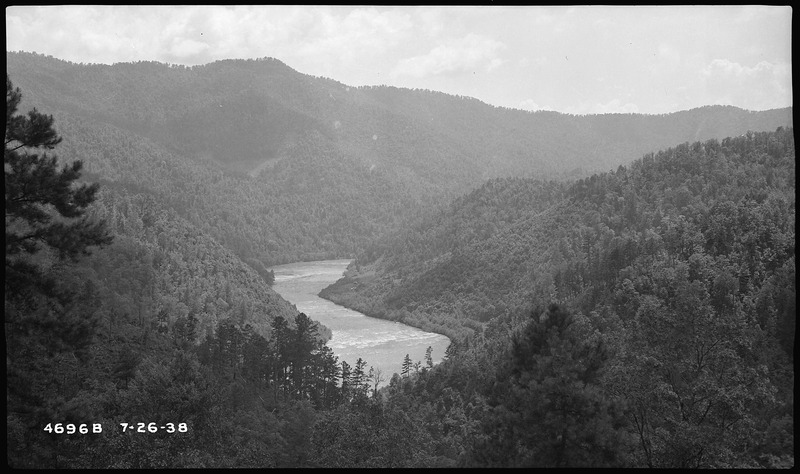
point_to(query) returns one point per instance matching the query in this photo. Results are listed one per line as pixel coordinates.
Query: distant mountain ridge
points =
(265, 104)
(312, 168)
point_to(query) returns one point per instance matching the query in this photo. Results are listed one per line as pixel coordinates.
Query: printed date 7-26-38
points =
(153, 427)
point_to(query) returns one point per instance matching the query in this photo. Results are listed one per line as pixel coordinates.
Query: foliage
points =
(50, 316)
(281, 167)
(684, 264)
(669, 284)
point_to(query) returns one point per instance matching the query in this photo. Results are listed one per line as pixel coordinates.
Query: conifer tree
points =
(47, 226)
(429, 357)
(358, 377)
(45, 209)
(406, 366)
(346, 378)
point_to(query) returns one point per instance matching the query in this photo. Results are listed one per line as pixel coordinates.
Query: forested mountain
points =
(118, 310)
(279, 166)
(662, 300)
(516, 239)
(641, 317)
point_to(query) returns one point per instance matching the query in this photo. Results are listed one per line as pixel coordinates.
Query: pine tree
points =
(429, 357)
(556, 362)
(305, 337)
(450, 352)
(358, 377)
(45, 209)
(281, 334)
(406, 366)
(47, 227)
(346, 378)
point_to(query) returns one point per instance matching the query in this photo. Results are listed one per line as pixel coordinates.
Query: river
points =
(381, 344)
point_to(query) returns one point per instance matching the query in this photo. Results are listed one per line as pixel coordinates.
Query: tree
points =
(690, 374)
(327, 392)
(47, 227)
(550, 410)
(376, 376)
(406, 366)
(45, 209)
(281, 332)
(451, 350)
(305, 339)
(429, 357)
(124, 367)
(346, 377)
(358, 378)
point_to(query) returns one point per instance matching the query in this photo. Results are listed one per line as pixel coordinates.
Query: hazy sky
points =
(577, 60)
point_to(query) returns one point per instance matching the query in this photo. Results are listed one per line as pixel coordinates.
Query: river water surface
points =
(381, 344)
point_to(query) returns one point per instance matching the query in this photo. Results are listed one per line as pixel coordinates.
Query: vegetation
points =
(642, 317)
(47, 310)
(280, 167)
(668, 340)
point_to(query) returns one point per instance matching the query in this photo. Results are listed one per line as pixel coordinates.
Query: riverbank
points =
(341, 293)
(379, 342)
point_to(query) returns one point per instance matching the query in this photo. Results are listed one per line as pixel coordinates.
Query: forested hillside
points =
(279, 166)
(434, 275)
(111, 304)
(514, 239)
(641, 317)
(662, 301)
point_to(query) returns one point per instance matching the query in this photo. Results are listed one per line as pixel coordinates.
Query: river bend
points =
(382, 344)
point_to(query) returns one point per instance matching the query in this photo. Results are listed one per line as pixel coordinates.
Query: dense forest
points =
(279, 166)
(662, 301)
(642, 317)
(476, 259)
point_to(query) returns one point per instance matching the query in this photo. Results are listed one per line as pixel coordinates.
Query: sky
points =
(577, 60)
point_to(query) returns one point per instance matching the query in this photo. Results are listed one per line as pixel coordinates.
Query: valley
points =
(621, 283)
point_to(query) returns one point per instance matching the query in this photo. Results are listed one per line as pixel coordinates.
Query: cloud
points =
(357, 36)
(470, 53)
(765, 85)
(669, 54)
(722, 68)
(183, 48)
(430, 22)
